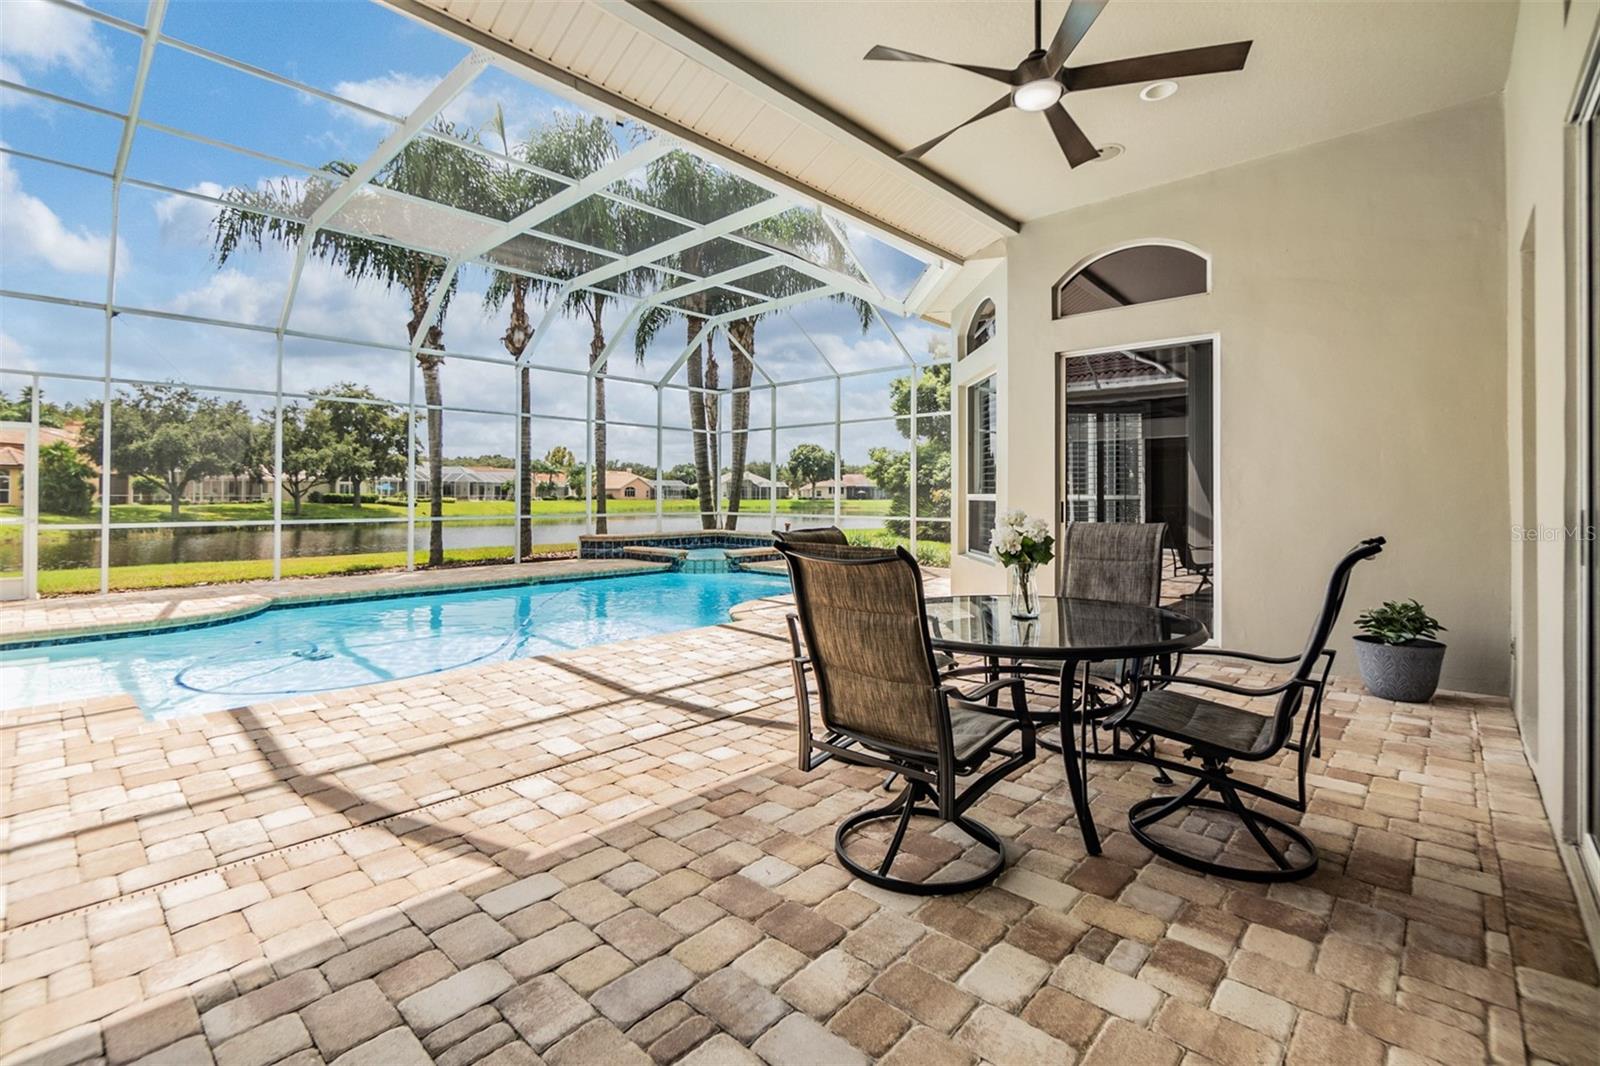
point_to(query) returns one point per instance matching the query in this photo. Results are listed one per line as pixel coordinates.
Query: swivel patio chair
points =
(883, 705)
(1117, 562)
(1216, 735)
(814, 535)
(1192, 562)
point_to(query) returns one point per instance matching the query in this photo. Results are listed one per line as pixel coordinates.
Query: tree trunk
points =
(518, 333)
(697, 422)
(525, 454)
(744, 333)
(434, 398)
(597, 345)
(713, 406)
(355, 484)
(175, 498)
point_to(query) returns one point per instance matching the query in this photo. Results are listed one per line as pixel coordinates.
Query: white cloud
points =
(40, 37)
(232, 295)
(29, 229)
(185, 220)
(392, 93)
(399, 94)
(12, 351)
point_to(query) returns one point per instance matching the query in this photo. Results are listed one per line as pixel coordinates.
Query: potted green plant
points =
(1399, 658)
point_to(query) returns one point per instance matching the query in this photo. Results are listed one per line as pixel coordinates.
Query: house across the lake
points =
(849, 487)
(755, 487)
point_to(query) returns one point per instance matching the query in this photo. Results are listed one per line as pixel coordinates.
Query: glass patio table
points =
(1074, 633)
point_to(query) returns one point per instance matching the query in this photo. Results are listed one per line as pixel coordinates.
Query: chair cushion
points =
(1182, 717)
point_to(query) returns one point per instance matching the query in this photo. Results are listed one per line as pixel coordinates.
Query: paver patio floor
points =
(608, 856)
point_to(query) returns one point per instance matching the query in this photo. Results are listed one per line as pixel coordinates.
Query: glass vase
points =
(1024, 592)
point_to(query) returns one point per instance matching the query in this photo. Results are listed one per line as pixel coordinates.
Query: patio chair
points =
(1118, 562)
(1191, 561)
(883, 705)
(1216, 735)
(814, 535)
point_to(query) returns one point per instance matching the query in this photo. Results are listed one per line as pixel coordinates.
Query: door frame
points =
(1217, 558)
(1584, 119)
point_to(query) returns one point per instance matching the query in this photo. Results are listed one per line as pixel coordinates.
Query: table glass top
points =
(1078, 627)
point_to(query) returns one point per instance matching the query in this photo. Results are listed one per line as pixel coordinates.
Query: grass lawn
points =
(175, 575)
(491, 509)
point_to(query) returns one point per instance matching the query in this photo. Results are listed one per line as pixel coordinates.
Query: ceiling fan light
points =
(1157, 90)
(1037, 95)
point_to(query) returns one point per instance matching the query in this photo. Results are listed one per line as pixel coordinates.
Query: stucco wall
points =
(1358, 297)
(1547, 65)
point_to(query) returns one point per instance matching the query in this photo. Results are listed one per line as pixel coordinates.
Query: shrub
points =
(66, 481)
(341, 497)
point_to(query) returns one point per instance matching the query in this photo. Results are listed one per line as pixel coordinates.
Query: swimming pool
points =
(293, 650)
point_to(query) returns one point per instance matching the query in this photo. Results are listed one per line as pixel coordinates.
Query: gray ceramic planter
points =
(1405, 673)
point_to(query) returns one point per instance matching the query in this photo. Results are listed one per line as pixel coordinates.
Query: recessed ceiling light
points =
(1158, 90)
(1111, 151)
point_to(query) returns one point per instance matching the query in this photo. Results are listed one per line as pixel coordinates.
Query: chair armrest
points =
(1225, 653)
(1238, 690)
(1019, 698)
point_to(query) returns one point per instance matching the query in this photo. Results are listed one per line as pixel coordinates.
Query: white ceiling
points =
(1317, 70)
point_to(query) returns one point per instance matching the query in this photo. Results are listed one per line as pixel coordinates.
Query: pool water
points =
(294, 650)
(705, 561)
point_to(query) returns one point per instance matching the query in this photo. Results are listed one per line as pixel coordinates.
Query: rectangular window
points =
(5, 486)
(983, 445)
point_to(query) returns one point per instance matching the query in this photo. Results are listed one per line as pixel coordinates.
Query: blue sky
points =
(57, 229)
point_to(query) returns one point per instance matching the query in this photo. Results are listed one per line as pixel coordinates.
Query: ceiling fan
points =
(1042, 79)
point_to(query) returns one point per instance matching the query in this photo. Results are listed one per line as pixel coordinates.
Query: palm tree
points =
(805, 232)
(577, 145)
(427, 167)
(694, 189)
(515, 191)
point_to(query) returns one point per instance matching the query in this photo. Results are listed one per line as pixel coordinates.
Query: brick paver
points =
(608, 855)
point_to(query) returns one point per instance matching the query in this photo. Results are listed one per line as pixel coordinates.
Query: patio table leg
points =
(1072, 757)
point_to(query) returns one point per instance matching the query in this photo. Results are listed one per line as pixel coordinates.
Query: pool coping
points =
(236, 602)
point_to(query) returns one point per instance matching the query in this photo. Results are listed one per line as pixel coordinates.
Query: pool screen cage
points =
(269, 312)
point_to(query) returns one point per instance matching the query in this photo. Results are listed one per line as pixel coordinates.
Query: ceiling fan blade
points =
(1074, 24)
(883, 51)
(1213, 59)
(1074, 142)
(993, 109)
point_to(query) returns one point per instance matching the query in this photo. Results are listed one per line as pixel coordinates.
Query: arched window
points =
(982, 329)
(1141, 274)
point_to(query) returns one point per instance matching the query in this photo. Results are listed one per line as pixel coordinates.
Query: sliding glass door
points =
(1139, 433)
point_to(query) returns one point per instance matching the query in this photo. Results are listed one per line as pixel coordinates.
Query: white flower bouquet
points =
(1022, 544)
